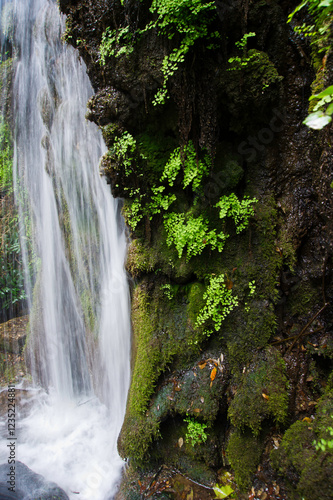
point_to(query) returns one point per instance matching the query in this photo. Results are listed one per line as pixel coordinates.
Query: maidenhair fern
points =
(220, 301)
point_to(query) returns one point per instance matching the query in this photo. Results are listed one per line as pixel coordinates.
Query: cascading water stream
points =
(74, 246)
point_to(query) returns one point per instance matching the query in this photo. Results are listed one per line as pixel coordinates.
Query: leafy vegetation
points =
(11, 278)
(325, 444)
(320, 38)
(184, 20)
(195, 431)
(220, 301)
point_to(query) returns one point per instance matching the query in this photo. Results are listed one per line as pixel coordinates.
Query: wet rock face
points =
(278, 353)
(28, 484)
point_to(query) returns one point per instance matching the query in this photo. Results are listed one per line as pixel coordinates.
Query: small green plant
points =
(195, 431)
(167, 290)
(11, 276)
(193, 168)
(240, 211)
(325, 444)
(187, 19)
(322, 111)
(185, 230)
(320, 38)
(220, 301)
(239, 62)
(116, 43)
(123, 150)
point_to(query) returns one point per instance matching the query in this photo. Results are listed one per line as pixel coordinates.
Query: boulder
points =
(28, 485)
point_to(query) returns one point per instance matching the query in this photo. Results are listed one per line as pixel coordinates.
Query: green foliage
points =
(220, 301)
(123, 151)
(116, 43)
(167, 289)
(320, 36)
(11, 278)
(322, 111)
(6, 157)
(194, 169)
(186, 20)
(324, 444)
(321, 12)
(238, 62)
(240, 211)
(311, 468)
(195, 433)
(185, 230)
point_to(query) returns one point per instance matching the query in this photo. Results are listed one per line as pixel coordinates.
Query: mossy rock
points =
(308, 471)
(244, 452)
(261, 394)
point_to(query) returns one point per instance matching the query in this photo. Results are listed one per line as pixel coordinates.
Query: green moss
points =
(110, 132)
(301, 301)
(243, 452)
(195, 301)
(261, 394)
(308, 472)
(160, 333)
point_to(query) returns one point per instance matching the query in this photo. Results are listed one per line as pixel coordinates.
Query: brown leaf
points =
(180, 442)
(197, 410)
(213, 374)
(229, 284)
(265, 396)
(202, 365)
(211, 384)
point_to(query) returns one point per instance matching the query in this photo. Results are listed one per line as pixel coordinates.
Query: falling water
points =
(74, 245)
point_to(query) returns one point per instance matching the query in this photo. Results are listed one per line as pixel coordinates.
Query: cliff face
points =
(229, 202)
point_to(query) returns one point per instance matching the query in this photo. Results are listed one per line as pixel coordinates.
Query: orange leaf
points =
(229, 284)
(197, 410)
(213, 374)
(202, 365)
(265, 396)
(307, 419)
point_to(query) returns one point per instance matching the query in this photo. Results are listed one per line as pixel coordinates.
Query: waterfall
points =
(74, 245)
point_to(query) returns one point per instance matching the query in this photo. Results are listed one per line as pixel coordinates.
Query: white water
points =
(74, 247)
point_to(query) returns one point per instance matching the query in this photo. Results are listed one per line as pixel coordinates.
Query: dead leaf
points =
(309, 379)
(211, 385)
(170, 398)
(197, 410)
(180, 442)
(276, 442)
(202, 365)
(177, 389)
(265, 396)
(213, 374)
(229, 284)
(202, 399)
(307, 419)
(190, 495)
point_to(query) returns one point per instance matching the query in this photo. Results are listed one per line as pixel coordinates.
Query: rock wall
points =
(255, 376)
